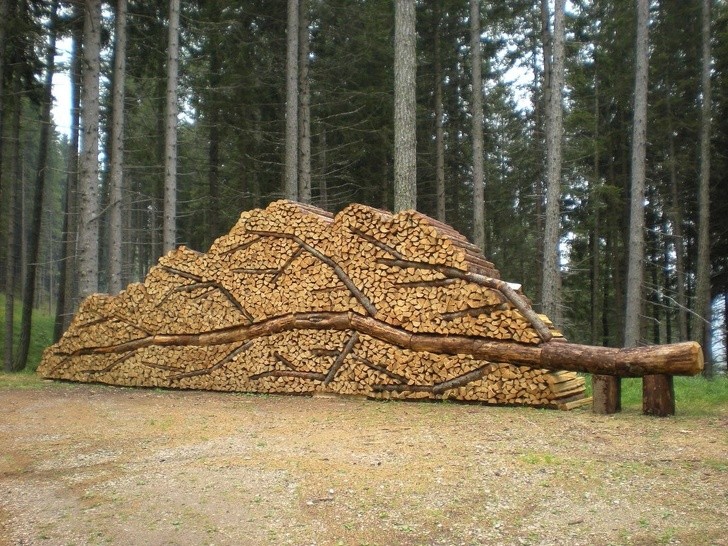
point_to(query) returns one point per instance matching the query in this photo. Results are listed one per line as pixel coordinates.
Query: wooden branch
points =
(343, 277)
(315, 376)
(283, 360)
(381, 369)
(340, 359)
(241, 246)
(503, 287)
(199, 284)
(474, 311)
(288, 262)
(205, 371)
(676, 359)
(461, 380)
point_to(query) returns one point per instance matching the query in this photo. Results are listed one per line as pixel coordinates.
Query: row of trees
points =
(583, 149)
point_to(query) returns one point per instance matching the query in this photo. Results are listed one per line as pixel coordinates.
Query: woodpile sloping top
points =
(295, 300)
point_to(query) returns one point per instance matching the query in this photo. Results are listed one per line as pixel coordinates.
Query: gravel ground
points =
(88, 464)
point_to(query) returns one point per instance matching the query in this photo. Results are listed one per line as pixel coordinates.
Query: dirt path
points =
(83, 464)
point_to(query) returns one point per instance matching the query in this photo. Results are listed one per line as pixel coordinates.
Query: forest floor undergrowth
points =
(90, 464)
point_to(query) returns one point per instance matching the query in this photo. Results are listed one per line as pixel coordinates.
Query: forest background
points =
(183, 114)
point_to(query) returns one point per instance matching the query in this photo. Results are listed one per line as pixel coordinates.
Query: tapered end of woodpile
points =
(295, 300)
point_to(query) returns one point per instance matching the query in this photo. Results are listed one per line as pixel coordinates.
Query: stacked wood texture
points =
(294, 300)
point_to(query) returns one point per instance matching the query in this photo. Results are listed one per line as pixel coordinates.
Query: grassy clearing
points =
(694, 396)
(41, 334)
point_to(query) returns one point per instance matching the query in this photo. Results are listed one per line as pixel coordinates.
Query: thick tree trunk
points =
(551, 281)
(477, 127)
(67, 281)
(635, 267)
(439, 118)
(304, 106)
(405, 144)
(116, 175)
(13, 196)
(658, 395)
(701, 329)
(37, 213)
(606, 394)
(169, 229)
(290, 186)
(88, 229)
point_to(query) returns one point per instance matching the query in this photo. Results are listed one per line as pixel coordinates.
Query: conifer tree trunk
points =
(405, 143)
(439, 118)
(88, 228)
(169, 228)
(13, 196)
(477, 127)
(37, 212)
(304, 106)
(701, 319)
(635, 265)
(67, 281)
(551, 281)
(290, 185)
(116, 175)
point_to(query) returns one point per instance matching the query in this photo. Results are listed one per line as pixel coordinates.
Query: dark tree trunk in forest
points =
(67, 282)
(116, 175)
(304, 106)
(477, 127)
(290, 182)
(405, 143)
(214, 229)
(40, 183)
(88, 228)
(439, 117)
(169, 229)
(702, 318)
(551, 283)
(635, 267)
(677, 234)
(13, 195)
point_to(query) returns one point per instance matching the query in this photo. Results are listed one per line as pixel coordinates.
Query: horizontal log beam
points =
(675, 359)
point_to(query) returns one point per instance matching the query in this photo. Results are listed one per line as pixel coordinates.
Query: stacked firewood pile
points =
(294, 300)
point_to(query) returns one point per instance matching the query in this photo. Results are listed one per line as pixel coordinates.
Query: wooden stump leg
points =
(658, 395)
(606, 393)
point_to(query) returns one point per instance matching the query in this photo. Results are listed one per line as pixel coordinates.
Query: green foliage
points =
(41, 336)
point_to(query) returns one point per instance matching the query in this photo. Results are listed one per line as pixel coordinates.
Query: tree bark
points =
(88, 229)
(405, 127)
(67, 281)
(290, 186)
(439, 118)
(606, 394)
(551, 281)
(477, 127)
(304, 106)
(701, 329)
(658, 395)
(677, 359)
(169, 229)
(116, 175)
(13, 196)
(40, 182)
(635, 266)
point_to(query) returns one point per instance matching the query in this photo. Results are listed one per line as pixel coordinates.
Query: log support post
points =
(658, 395)
(606, 394)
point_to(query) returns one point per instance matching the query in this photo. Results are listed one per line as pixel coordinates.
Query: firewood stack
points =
(295, 300)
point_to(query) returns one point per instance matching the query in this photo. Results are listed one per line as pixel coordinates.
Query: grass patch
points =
(694, 396)
(41, 332)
